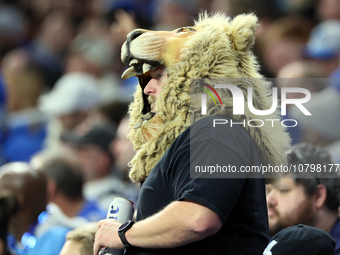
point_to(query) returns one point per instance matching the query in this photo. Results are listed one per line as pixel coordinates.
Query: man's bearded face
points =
(288, 205)
(153, 87)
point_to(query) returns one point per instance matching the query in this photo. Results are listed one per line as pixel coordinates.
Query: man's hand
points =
(107, 236)
(179, 223)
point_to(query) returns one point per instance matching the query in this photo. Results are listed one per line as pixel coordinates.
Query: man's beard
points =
(278, 226)
(152, 101)
(303, 215)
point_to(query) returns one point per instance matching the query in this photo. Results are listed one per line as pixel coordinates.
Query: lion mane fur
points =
(222, 48)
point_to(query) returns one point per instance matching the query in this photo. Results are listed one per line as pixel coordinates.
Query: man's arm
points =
(179, 223)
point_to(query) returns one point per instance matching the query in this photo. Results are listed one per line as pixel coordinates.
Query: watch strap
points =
(122, 230)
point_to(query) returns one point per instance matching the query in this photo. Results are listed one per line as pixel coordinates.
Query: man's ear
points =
(242, 31)
(320, 195)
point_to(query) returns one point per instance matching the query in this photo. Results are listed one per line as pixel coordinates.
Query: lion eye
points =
(185, 29)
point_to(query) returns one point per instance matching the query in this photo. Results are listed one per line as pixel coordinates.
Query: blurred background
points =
(63, 105)
(61, 67)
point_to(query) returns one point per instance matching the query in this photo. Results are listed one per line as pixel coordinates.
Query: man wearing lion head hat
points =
(181, 211)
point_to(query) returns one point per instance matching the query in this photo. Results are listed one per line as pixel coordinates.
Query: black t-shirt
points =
(239, 202)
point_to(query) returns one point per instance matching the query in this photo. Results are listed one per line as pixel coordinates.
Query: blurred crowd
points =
(60, 62)
(63, 105)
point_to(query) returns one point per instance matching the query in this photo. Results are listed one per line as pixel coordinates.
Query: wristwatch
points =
(121, 232)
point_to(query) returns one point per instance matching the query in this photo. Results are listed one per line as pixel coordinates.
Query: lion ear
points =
(242, 31)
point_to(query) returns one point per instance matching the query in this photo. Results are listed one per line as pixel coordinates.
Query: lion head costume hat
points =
(215, 47)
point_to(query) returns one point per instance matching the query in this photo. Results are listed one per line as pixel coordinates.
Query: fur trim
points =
(221, 48)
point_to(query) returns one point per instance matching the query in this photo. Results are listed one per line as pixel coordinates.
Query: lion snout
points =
(134, 34)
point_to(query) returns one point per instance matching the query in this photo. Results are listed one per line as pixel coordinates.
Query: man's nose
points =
(149, 88)
(271, 200)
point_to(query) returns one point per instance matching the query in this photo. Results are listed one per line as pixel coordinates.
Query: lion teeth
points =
(136, 68)
(147, 67)
(129, 73)
(133, 61)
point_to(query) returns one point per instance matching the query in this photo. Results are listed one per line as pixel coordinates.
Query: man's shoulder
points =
(335, 231)
(203, 136)
(213, 123)
(216, 128)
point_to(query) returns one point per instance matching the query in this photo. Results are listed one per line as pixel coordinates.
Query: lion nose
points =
(134, 34)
